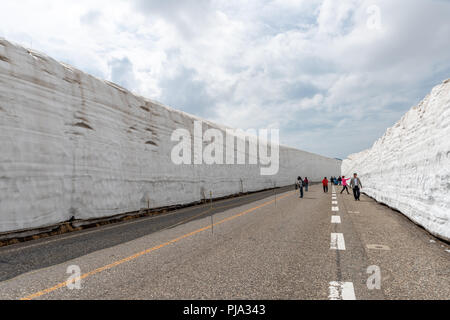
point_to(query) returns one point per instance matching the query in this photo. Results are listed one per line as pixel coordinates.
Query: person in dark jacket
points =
(300, 184)
(306, 181)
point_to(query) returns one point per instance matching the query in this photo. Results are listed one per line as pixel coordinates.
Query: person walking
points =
(300, 184)
(325, 185)
(306, 181)
(340, 181)
(344, 184)
(356, 186)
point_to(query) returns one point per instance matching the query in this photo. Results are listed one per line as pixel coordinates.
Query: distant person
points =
(325, 185)
(300, 184)
(344, 184)
(356, 186)
(340, 181)
(306, 181)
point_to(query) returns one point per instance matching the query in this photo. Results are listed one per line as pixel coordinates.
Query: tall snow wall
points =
(409, 167)
(76, 147)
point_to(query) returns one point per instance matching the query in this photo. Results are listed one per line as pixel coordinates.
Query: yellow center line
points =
(145, 252)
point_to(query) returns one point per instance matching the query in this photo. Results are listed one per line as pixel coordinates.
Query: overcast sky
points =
(331, 75)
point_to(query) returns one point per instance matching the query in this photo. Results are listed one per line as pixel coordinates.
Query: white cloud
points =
(314, 68)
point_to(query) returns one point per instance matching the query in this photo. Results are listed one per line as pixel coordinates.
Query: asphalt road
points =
(254, 247)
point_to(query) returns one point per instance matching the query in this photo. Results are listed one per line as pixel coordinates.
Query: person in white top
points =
(356, 186)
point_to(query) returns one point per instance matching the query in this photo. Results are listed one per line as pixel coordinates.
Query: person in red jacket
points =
(325, 185)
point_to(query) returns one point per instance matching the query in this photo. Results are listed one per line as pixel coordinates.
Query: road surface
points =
(260, 246)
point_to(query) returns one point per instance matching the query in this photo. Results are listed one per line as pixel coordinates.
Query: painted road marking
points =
(335, 209)
(334, 202)
(378, 247)
(342, 291)
(336, 219)
(145, 252)
(337, 242)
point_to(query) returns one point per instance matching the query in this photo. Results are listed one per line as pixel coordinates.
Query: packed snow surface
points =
(73, 146)
(409, 167)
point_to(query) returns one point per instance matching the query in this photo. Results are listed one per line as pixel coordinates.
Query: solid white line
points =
(342, 291)
(335, 209)
(336, 219)
(337, 242)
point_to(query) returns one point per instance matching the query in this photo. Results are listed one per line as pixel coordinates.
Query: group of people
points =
(302, 184)
(336, 181)
(355, 184)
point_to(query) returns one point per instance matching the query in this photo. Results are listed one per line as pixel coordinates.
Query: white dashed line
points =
(335, 209)
(336, 219)
(334, 202)
(342, 291)
(337, 242)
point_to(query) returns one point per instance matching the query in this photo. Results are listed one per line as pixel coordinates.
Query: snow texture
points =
(409, 167)
(74, 146)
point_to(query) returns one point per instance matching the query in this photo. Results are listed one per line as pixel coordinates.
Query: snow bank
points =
(75, 146)
(409, 167)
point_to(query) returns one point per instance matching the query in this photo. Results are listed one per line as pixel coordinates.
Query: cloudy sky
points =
(331, 75)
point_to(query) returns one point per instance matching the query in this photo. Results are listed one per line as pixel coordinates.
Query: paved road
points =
(255, 248)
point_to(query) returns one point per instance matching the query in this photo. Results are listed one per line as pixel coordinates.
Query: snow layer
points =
(409, 167)
(76, 146)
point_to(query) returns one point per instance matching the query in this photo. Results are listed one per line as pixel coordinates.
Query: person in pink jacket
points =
(344, 183)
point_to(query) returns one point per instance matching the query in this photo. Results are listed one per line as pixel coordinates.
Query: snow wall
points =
(74, 146)
(409, 167)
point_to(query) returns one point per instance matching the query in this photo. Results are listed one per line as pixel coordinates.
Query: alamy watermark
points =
(374, 281)
(74, 281)
(374, 20)
(230, 147)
